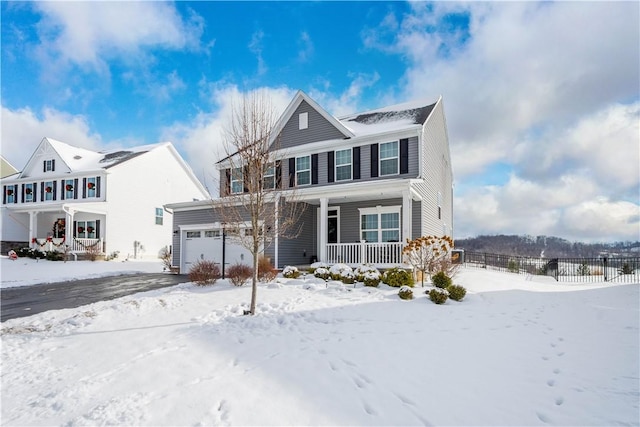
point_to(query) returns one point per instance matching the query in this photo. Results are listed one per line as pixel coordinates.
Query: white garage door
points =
(207, 245)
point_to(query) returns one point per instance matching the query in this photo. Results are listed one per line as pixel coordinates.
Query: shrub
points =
(31, 253)
(371, 278)
(362, 270)
(337, 271)
(456, 292)
(54, 256)
(238, 274)
(513, 266)
(397, 277)
(290, 272)
(164, 255)
(438, 295)
(204, 272)
(626, 269)
(266, 272)
(113, 255)
(583, 270)
(322, 273)
(441, 280)
(405, 292)
(347, 277)
(316, 265)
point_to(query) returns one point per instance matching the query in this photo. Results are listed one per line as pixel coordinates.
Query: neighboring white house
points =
(113, 200)
(6, 168)
(369, 181)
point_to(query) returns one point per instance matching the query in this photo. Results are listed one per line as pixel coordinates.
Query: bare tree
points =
(429, 254)
(252, 201)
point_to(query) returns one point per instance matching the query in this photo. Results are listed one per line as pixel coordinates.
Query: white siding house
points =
(114, 200)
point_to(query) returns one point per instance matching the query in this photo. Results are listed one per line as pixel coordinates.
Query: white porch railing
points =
(58, 244)
(380, 254)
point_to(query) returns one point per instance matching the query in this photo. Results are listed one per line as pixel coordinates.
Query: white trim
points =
(335, 165)
(319, 221)
(378, 210)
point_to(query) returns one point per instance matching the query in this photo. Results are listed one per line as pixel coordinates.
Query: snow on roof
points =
(83, 159)
(385, 119)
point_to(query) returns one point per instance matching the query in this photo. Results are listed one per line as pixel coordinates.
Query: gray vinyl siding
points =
(416, 219)
(320, 129)
(292, 251)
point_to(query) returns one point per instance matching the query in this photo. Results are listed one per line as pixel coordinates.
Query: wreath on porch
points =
(9, 192)
(48, 189)
(28, 191)
(80, 229)
(91, 186)
(89, 229)
(69, 187)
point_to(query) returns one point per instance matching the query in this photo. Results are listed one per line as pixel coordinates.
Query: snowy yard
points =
(515, 351)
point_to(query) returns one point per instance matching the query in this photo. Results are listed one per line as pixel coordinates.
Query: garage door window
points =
(212, 233)
(193, 234)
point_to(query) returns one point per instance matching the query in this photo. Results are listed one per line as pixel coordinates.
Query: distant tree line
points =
(545, 246)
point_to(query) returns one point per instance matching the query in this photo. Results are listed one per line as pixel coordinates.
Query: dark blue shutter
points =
(75, 188)
(53, 165)
(42, 191)
(404, 155)
(98, 230)
(4, 195)
(98, 186)
(63, 191)
(22, 194)
(84, 188)
(35, 192)
(314, 168)
(356, 162)
(292, 172)
(331, 166)
(374, 160)
(54, 184)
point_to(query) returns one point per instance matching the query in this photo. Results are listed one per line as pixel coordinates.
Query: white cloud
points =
(90, 33)
(23, 129)
(256, 47)
(306, 47)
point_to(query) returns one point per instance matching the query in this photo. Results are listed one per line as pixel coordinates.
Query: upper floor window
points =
(269, 178)
(69, 189)
(303, 121)
(48, 190)
(303, 170)
(237, 183)
(49, 165)
(389, 158)
(10, 194)
(343, 165)
(159, 218)
(28, 192)
(92, 187)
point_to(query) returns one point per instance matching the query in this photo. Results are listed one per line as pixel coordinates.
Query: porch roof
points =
(95, 208)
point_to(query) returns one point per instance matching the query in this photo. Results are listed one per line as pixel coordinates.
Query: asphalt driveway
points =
(27, 300)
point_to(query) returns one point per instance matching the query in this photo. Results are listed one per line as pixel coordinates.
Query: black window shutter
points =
(75, 188)
(97, 186)
(15, 193)
(55, 188)
(404, 155)
(75, 229)
(330, 166)
(84, 188)
(356, 162)
(42, 191)
(292, 172)
(278, 174)
(53, 165)
(63, 189)
(314, 168)
(245, 179)
(4, 194)
(227, 182)
(35, 192)
(44, 166)
(374, 160)
(22, 194)
(98, 230)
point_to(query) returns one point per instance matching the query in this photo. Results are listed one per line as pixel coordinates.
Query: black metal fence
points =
(601, 269)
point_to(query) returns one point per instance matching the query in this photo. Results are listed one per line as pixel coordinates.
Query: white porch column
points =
(324, 213)
(276, 230)
(407, 204)
(33, 226)
(68, 230)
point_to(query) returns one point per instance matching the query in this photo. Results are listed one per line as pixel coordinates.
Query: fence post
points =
(363, 255)
(604, 263)
(485, 260)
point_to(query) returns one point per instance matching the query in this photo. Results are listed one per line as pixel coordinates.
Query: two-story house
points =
(83, 199)
(370, 181)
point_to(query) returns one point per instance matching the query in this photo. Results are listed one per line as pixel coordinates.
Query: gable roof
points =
(6, 168)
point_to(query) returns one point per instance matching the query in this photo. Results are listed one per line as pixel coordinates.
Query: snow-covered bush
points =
(456, 292)
(405, 292)
(290, 272)
(204, 272)
(313, 267)
(438, 295)
(322, 273)
(337, 269)
(347, 277)
(361, 270)
(371, 278)
(397, 277)
(441, 280)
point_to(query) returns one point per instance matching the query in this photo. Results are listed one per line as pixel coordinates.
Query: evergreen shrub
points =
(441, 280)
(397, 277)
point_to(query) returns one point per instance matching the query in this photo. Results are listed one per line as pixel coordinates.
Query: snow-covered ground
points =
(515, 351)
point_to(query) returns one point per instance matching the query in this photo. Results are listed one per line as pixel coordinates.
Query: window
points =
(49, 165)
(303, 170)
(86, 230)
(269, 178)
(92, 186)
(237, 184)
(28, 192)
(212, 233)
(159, 218)
(380, 224)
(193, 234)
(68, 189)
(389, 158)
(343, 165)
(48, 190)
(10, 194)
(303, 121)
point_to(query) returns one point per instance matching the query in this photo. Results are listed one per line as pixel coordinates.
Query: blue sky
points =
(542, 99)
